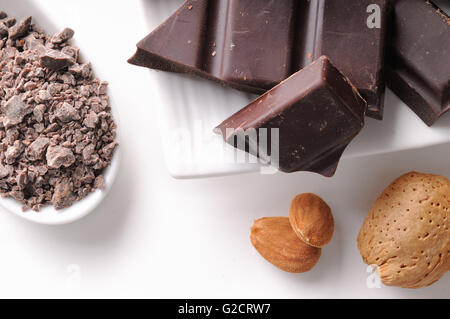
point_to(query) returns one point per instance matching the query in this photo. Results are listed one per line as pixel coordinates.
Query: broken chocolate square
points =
(316, 113)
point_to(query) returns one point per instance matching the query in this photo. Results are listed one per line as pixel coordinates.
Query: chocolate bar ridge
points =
(418, 68)
(318, 113)
(253, 45)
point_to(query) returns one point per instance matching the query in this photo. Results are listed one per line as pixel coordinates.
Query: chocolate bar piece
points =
(252, 45)
(419, 60)
(317, 113)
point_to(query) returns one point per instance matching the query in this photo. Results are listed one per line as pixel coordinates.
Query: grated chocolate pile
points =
(57, 134)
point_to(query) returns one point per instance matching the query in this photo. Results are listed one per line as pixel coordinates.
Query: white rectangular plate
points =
(190, 108)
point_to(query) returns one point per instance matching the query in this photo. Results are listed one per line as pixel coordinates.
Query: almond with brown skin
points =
(312, 220)
(407, 231)
(275, 240)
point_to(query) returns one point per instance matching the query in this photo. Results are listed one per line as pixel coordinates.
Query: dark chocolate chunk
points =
(99, 182)
(20, 29)
(4, 171)
(58, 156)
(13, 152)
(71, 51)
(252, 45)
(22, 180)
(63, 196)
(91, 120)
(317, 112)
(32, 43)
(39, 112)
(3, 30)
(37, 149)
(67, 113)
(419, 60)
(9, 21)
(62, 36)
(56, 60)
(15, 110)
(83, 70)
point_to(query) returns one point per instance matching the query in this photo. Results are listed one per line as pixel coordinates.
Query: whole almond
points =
(275, 240)
(407, 231)
(312, 220)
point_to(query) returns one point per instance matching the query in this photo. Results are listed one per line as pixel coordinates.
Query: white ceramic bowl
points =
(49, 215)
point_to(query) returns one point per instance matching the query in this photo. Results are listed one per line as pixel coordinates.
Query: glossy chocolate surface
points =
(419, 59)
(317, 112)
(252, 45)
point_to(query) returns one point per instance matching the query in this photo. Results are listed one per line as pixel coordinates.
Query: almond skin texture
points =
(406, 233)
(275, 240)
(312, 220)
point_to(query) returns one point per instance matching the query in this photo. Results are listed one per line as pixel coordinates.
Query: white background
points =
(163, 238)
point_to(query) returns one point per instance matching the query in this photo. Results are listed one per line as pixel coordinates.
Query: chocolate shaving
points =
(57, 133)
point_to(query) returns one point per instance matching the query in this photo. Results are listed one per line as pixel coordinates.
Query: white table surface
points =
(158, 237)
